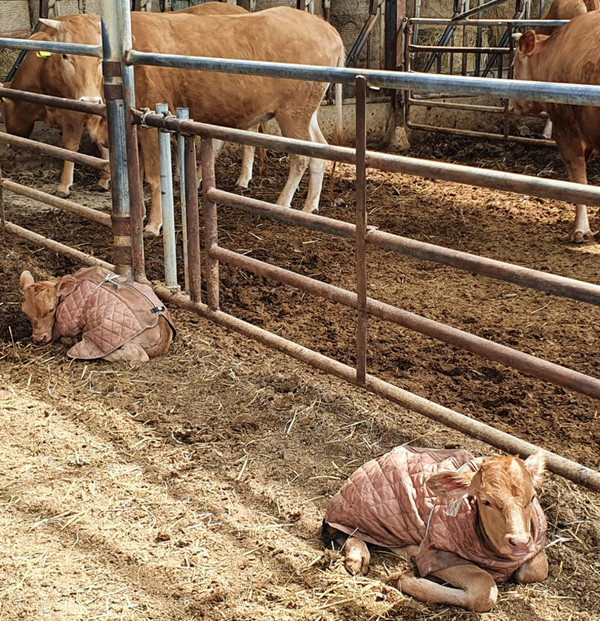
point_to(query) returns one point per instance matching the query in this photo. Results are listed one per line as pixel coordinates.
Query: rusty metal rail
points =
(84, 107)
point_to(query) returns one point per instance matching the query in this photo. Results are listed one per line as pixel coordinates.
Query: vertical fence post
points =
(183, 114)
(211, 233)
(193, 223)
(136, 194)
(115, 113)
(2, 214)
(168, 207)
(361, 229)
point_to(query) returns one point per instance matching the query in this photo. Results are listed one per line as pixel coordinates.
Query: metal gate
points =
(124, 121)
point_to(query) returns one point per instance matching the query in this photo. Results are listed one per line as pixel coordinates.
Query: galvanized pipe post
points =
(211, 231)
(2, 215)
(361, 229)
(193, 224)
(136, 193)
(168, 206)
(115, 112)
(183, 114)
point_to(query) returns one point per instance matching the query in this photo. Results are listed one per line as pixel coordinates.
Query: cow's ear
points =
(26, 280)
(536, 465)
(65, 286)
(52, 24)
(527, 42)
(449, 484)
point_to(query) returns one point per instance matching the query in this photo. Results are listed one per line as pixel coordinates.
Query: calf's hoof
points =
(242, 183)
(357, 557)
(63, 193)
(311, 209)
(103, 187)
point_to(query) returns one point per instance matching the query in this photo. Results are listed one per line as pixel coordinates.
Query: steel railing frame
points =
(362, 234)
(411, 49)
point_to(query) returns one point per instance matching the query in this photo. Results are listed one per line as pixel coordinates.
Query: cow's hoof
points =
(101, 187)
(581, 237)
(357, 565)
(242, 184)
(62, 193)
(151, 232)
(311, 209)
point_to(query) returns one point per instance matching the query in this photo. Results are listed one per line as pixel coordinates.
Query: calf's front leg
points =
(356, 556)
(533, 570)
(471, 587)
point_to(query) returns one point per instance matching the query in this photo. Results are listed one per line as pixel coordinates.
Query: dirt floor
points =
(194, 487)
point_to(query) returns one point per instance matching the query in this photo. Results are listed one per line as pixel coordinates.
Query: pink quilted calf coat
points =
(386, 502)
(108, 310)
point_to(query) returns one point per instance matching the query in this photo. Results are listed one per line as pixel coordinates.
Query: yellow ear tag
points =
(5, 99)
(42, 54)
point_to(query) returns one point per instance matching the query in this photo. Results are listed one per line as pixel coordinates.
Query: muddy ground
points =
(195, 486)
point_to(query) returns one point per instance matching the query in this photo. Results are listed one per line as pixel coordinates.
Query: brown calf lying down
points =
(470, 522)
(119, 320)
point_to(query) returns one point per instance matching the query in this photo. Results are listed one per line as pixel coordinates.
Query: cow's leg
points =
(356, 556)
(316, 169)
(472, 588)
(547, 133)
(71, 138)
(293, 127)
(247, 164)
(217, 148)
(149, 156)
(573, 151)
(104, 181)
(407, 552)
(533, 570)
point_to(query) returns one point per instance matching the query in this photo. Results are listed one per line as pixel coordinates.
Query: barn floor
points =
(194, 487)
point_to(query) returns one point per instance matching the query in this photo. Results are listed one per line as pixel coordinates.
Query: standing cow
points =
(61, 75)
(280, 34)
(564, 9)
(571, 54)
(467, 522)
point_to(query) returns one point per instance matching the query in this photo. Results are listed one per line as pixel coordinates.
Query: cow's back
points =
(567, 9)
(280, 34)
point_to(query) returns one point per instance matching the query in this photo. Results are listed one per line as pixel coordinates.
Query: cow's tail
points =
(339, 115)
(339, 95)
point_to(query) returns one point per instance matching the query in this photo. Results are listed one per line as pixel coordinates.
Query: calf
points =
(470, 522)
(571, 54)
(119, 320)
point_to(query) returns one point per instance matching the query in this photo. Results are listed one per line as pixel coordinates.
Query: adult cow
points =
(61, 75)
(279, 34)
(467, 522)
(564, 9)
(571, 54)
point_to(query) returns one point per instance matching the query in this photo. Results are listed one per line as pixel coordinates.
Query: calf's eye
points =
(487, 503)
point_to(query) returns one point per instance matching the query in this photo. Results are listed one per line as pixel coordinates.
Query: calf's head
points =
(504, 490)
(527, 46)
(40, 302)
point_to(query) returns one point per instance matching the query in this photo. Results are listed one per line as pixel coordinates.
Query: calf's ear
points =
(449, 484)
(26, 280)
(527, 42)
(65, 286)
(536, 464)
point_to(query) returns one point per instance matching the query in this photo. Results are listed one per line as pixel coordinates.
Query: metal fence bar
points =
(553, 92)
(115, 112)
(527, 23)
(523, 276)
(167, 202)
(40, 240)
(183, 114)
(58, 152)
(470, 175)
(54, 201)
(211, 232)
(56, 47)
(193, 222)
(531, 365)
(457, 49)
(433, 103)
(566, 468)
(55, 102)
(361, 230)
(482, 135)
